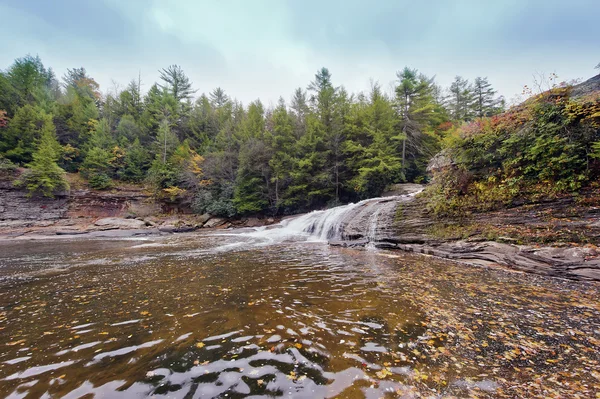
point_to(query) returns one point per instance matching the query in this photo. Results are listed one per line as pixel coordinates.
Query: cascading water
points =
(373, 223)
(324, 226)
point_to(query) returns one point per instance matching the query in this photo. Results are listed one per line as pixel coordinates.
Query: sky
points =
(267, 48)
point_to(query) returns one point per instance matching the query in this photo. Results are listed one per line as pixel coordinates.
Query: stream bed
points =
(221, 315)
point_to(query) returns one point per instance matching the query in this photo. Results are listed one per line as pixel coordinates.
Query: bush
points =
(217, 201)
(544, 148)
(100, 181)
(7, 168)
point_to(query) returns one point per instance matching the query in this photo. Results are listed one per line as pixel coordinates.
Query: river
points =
(235, 314)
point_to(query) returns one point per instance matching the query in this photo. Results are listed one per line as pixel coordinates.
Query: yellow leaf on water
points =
(299, 346)
(200, 345)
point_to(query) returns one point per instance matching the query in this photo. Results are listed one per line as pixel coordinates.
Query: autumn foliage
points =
(547, 146)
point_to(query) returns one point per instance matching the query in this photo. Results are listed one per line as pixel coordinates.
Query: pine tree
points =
(176, 83)
(24, 130)
(460, 101)
(135, 164)
(282, 147)
(43, 175)
(218, 98)
(417, 109)
(485, 103)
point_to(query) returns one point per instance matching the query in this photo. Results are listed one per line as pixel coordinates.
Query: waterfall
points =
(373, 223)
(326, 225)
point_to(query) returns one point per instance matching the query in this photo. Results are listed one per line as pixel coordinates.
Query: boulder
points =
(204, 218)
(167, 228)
(121, 223)
(214, 222)
(253, 222)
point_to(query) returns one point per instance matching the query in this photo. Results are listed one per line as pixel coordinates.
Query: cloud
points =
(267, 48)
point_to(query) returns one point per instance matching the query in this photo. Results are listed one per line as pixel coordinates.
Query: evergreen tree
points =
(27, 75)
(166, 141)
(417, 110)
(218, 98)
(461, 99)
(176, 83)
(300, 108)
(97, 165)
(282, 146)
(135, 164)
(43, 175)
(20, 139)
(485, 103)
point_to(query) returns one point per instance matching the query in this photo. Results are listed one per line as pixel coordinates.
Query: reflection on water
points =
(180, 317)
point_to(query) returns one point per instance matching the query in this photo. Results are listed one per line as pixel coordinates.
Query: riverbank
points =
(125, 211)
(557, 237)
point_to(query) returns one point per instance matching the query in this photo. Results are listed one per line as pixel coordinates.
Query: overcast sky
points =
(266, 48)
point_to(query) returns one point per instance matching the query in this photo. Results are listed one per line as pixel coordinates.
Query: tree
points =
(218, 98)
(27, 75)
(328, 103)
(166, 141)
(97, 163)
(371, 149)
(176, 82)
(159, 105)
(417, 109)
(85, 86)
(460, 100)
(135, 164)
(485, 103)
(131, 100)
(96, 168)
(282, 147)
(20, 139)
(300, 108)
(128, 130)
(44, 176)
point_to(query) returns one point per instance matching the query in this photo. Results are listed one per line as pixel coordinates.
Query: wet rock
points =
(121, 223)
(270, 220)
(214, 222)
(185, 229)
(253, 222)
(70, 232)
(202, 219)
(168, 228)
(349, 243)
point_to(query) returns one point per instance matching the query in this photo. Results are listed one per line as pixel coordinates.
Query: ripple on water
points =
(291, 320)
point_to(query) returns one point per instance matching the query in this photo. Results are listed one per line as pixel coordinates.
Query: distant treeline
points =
(324, 147)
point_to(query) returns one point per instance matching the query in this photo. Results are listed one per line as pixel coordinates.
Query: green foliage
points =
(135, 164)
(7, 168)
(19, 140)
(43, 175)
(218, 202)
(542, 149)
(96, 168)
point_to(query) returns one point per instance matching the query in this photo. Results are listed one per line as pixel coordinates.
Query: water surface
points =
(224, 316)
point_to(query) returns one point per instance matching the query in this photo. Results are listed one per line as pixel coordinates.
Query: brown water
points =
(186, 317)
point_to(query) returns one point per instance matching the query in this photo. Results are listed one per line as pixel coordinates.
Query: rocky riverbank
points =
(123, 212)
(557, 237)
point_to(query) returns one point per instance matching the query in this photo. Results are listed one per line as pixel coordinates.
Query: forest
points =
(323, 147)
